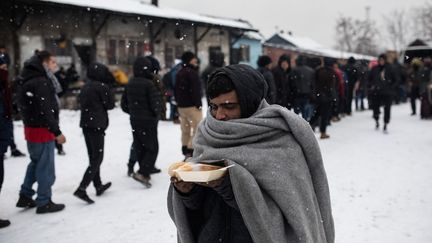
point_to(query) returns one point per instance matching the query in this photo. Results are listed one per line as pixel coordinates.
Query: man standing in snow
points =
(141, 100)
(282, 79)
(303, 80)
(352, 77)
(276, 192)
(39, 106)
(324, 94)
(264, 64)
(96, 99)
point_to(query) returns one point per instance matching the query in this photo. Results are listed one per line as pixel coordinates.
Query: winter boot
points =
(17, 153)
(376, 125)
(324, 136)
(4, 223)
(155, 170)
(145, 180)
(82, 194)
(25, 202)
(130, 171)
(385, 128)
(100, 190)
(50, 207)
(61, 152)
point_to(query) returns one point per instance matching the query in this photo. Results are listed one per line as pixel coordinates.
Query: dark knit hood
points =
(143, 68)
(98, 72)
(250, 86)
(33, 68)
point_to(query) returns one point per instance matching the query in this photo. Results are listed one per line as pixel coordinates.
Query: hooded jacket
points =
(37, 97)
(96, 98)
(141, 99)
(382, 80)
(187, 89)
(303, 79)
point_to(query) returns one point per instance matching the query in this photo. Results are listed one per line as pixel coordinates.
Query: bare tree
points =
(422, 16)
(398, 31)
(354, 35)
(345, 33)
(367, 38)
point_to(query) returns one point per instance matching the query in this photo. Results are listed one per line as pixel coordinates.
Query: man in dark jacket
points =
(324, 93)
(39, 107)
(141, 100)
(361, 85)
(187, 92)
(352, 76)
(382, 85)
(303, 78)
(264, 64)
(281, 75)
(96, 99)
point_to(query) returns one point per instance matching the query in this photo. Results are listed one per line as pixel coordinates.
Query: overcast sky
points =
(312, 18)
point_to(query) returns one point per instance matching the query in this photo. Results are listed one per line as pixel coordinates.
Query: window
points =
(244, 53)
(240, 54)
(124, 51)
(60, 47)
(172, 53)
(112, 50)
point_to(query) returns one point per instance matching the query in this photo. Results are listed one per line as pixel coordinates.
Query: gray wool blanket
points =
(278, 180)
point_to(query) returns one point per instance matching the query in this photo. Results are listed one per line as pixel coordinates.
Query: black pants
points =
(1, 170)
(94, 139)
(145, 149)
(382, 100)
(349, 97)
(323, 111)
(415, 94)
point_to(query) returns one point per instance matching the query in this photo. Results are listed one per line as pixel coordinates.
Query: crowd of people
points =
(319, 92)
(324, 93)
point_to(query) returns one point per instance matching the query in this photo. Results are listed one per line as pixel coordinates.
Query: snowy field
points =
(380, 185)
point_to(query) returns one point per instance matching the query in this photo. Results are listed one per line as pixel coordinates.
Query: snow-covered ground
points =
(380, 185)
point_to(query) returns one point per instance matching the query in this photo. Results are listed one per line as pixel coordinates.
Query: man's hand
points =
(61, 139)
(212, 184)
(183, 187)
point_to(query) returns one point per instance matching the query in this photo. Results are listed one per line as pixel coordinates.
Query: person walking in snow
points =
(155, 68)
(39, 106)
(276, 192)
(141, 100)
(96, 99)
(187, 92)
(381, 86)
